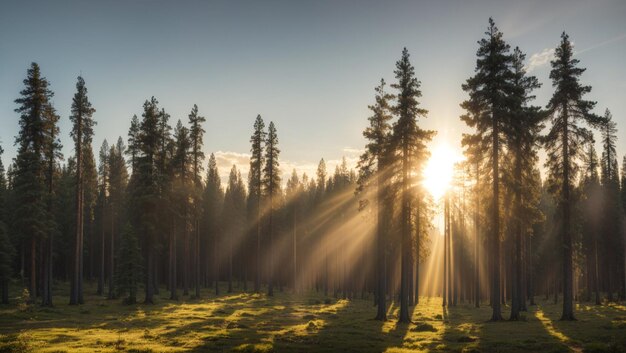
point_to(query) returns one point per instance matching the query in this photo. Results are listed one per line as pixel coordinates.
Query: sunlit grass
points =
(300, 323)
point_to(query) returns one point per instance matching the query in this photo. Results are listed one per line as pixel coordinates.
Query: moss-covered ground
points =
(298, 323)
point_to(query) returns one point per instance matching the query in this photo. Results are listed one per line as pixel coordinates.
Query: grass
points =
(298, 323)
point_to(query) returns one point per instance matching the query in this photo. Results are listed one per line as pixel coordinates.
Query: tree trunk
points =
(230, 263)
(197, 258)
(516, 285)
(33, 270)
(112, 294)
(149, 274)
(477, 242)
(405, 245)
(496, 314)
(568, 307)
(417, 250)
(173, 250)
(270, 285)
(381, 312)
(102, 252)
(216, 263)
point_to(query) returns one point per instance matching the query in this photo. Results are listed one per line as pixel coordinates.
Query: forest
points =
(138, 244)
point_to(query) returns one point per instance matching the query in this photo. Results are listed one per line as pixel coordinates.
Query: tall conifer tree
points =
(255, 189)
(409, 142)
(564, 141)
(82, 133)
(487, 112)
(196, 134)
(372, 169)
(30, 213)
(271, 186)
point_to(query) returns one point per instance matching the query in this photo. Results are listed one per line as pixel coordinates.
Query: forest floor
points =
(299, 323)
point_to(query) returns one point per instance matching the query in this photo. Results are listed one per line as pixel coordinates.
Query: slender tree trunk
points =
(186, 253)
(405, 245)
(216, 263)
(270, 286)
(531, 284)
(33, 270)
(596, 285)
(173, 249)
(495, 223)
(197, 257)
(149, 276)
(516, 285)
(381, 312)
(112, 294)
(417, 249)
(102, 252)
(81, 257)
(568, 306)
(477, 241)
(230, 263)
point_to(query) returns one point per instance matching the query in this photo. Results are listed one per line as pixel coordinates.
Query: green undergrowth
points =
(246, 322)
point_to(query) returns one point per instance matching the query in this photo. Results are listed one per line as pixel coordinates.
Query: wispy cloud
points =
(601, 44)
(540, 59)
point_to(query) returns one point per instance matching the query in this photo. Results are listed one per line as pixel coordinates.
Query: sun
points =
(439, 170)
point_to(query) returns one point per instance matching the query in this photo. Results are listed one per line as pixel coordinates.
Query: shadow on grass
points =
(305, 322)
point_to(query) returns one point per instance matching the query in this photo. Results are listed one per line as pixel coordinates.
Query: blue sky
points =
(308, 66)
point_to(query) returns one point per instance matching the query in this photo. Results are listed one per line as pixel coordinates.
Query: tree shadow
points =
(309, 322)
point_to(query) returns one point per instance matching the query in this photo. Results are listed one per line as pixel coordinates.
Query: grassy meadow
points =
(244, 322)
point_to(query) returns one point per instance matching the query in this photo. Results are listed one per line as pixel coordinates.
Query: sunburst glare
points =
(439, 170)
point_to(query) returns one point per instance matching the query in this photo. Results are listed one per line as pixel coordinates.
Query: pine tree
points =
(196, 134)
(320, 192)
(118, 180)
(146, 192)
(487, 113)
(103, 192)
(592, 200)
(233, 216)
(129, 269)
(522, 139)
(182, 173)
(271, 186)
(51, 155)
(372, 165)
(30, 213)
(133, 142)
(566, 109)
(255, 189)
(409, 142)
(164, 176)
(90, 182)
(294, 192)
(612, 212)
(82, 132)
(213, 199)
